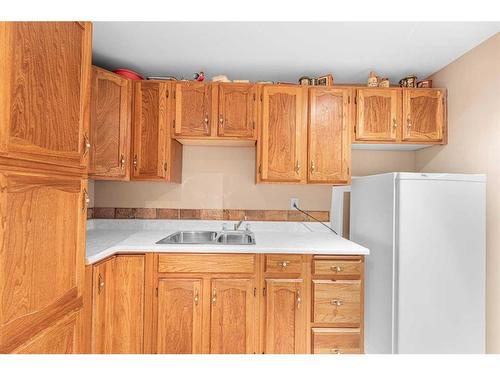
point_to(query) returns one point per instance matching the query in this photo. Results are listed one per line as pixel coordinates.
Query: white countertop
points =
(107, 237)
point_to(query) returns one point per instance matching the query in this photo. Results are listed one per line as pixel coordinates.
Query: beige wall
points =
(473, 83)
(223, 177)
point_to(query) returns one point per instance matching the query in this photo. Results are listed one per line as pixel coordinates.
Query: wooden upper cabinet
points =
(118, 307)
(329, 147)
(42, 247)
(285, 331)
(155, 155)
(44, 92)
(237, 110)
(378, 114)
(424, 115)
(180, 306)
(283, 154)
(109, 126)
(232, 318)
(193, 109)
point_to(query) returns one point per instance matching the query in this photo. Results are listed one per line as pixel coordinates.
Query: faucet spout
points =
(238, 225)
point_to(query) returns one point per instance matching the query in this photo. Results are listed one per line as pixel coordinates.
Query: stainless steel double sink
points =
(225, 237)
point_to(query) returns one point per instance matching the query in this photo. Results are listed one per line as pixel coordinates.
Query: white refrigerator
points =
(425, 275)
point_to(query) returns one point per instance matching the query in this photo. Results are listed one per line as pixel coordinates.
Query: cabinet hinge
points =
(156, 292)
(260, 97)
(260, 168)
(167, 94)
(255, 292)
(253, 97)
(253, 124)
(348, 170)
(348, 100)
(264, 292)
(173, 124)
(165, 165)
(355, 100)
(354, 129)
(174, 94)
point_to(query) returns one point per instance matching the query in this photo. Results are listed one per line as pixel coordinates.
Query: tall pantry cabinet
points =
(44, 147)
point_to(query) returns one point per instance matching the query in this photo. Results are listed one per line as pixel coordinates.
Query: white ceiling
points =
(286, 51)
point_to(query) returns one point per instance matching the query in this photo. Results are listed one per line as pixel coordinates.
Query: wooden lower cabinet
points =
(61, 338)
(118, 305)
(232, 316)
(285, 330)
(156, 303)
(180, 305)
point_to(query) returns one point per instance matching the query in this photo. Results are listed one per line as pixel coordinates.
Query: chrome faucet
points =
(238, 225)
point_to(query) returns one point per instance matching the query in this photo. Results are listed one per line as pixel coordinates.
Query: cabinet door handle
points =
(394, 123)
(335, 351)
(336, 269)
(100, 284)
(297, 167)
(135, 162)
(122, 161)
(408, 121)
(86, 145)
(313, 167)
(337, 302)
(214, 295)
(86, 199)
(299, 299)
(196, 297)
(221, 120)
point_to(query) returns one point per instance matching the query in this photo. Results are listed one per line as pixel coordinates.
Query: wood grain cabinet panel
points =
(44, 92)
(180, 306)
(232, 317)
(206, 263)
(155, 155)
(329, 143)
(378, 115)
(283, 154)
(336, 341)
(237, 110)
(61, 338)
(42, 241)
(424, 115)
(285, 317)
(193, 109)
(118, 307)
(337, 301)
(110, 126)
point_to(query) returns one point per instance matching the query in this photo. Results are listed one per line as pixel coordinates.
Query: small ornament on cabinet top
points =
(408, 81)
(372, 80)
(384, 82)
(200, 76)
(425, 84)
(326, 80)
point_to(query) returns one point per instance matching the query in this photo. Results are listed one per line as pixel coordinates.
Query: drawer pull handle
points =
(337, 302)
(299, 299)
(337, 268)
(335, 351)
(284, 264)
(100, 284)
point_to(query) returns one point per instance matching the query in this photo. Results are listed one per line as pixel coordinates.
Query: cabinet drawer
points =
(214, 263)
(283, 263)
(336, 341)
(337, 301)
(338, 267)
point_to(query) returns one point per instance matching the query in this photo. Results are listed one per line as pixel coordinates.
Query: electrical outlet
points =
(294, 201)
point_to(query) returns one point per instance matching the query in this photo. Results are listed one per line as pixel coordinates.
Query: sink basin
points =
(235, 237)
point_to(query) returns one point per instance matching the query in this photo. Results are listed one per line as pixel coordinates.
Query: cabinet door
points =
(233, 315)
(118, 312)
(329, 148)
(378, 114)
(44, 92)
(109, 126)
(424, 115)
(284, 137)
(179, 316)
(285, 331)
(61, 338)
(150, 128)
(237, 110)
(42, 247)
(193, 107)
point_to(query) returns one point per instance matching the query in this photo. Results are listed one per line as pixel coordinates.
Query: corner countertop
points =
(106, 237)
